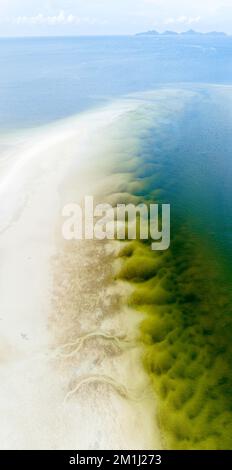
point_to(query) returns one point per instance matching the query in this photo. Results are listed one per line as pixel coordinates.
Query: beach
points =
(71, 369)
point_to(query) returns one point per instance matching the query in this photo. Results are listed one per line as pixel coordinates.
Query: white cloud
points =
(60, 19)
(183, 20)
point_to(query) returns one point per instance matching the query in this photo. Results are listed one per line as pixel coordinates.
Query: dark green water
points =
(185, 160)
(192, 157)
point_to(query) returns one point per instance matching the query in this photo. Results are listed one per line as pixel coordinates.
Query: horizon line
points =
(161, 33)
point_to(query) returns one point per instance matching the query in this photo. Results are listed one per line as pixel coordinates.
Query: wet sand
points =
(70, 362)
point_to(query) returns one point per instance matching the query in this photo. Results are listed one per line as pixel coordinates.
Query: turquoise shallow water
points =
(184, 149)
(193, 166)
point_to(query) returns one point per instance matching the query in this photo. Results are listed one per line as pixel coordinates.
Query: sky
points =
(100, 17)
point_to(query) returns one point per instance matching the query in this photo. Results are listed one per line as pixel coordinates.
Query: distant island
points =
(190, 32)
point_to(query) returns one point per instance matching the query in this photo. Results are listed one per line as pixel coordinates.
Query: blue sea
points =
(44, 79)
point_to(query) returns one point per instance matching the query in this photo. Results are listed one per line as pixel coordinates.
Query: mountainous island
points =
(190, 32)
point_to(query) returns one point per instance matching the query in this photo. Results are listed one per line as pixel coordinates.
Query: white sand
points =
(60, 388)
